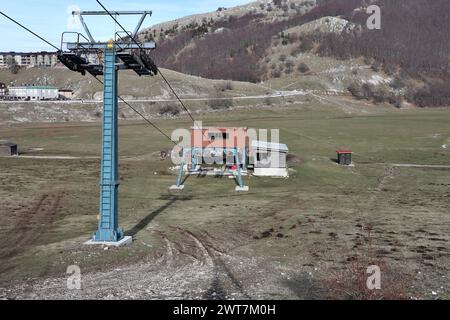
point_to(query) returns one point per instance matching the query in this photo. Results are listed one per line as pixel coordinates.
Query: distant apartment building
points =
(34, 93)
(29, 59)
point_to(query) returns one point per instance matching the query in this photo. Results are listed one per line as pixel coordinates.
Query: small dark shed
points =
(344, 157)
(8, 149)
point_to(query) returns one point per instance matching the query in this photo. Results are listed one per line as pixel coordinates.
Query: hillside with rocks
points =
(284, 45)
(409, 57)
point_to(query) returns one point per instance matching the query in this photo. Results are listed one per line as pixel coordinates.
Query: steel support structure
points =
(117, 55)
(239, 179)
(238, 155)
(108, 224)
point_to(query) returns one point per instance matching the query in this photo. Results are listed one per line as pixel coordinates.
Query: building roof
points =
(7, 144)
(35, 87)
(269, 146)
(12, 53)
(344, 151)
(219, 128)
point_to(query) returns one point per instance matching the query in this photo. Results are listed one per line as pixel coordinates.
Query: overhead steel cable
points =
(141, 115)
(33, 33)
(176, 95)
(148, 121)
(123, 100)
(118, 23)
(140, 46)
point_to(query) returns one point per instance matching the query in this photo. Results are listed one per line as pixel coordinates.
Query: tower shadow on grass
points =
(171, 199)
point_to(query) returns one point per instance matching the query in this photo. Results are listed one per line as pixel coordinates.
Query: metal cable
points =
(123, 100)
(33, 33)
(141, 115)
(162, 75)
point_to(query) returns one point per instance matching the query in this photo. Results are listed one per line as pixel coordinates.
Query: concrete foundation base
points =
(243, 189)
(124, 242)
(175, 188)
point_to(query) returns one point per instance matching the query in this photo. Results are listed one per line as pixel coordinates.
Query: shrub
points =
(434, 94)
(303, 67)
(396, 101)
(224, 86)
(289, 64)
(367, 61)
(169, 109)
(296, 51)
(398, 83)
(376, 66)
(306, 44)
(268, 101)
(221, 103)
(15, 69)
(277, 3)
(350, 282)
(390, 69)
(360, 90)
(378, 94)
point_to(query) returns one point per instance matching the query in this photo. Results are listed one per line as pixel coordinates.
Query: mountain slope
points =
(131, 86)
(244, 43)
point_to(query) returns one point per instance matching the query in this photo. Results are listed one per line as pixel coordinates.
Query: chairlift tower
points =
(123, 52)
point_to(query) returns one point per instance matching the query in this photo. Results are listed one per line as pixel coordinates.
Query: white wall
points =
(34, 93)
(271, 172)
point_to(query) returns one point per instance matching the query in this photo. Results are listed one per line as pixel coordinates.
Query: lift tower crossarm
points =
(102, 45)
(104, 13)
(80, 15)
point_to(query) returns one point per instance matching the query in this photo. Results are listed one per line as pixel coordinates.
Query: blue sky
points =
(49, 18)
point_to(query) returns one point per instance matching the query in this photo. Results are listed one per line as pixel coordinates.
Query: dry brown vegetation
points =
(412, 44)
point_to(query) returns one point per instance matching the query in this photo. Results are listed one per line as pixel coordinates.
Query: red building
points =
(221, 137)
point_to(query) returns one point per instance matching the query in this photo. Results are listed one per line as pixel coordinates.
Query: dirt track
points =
(195, 266)
(32, 221)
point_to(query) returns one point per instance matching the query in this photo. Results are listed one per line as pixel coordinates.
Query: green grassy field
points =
(319, 217)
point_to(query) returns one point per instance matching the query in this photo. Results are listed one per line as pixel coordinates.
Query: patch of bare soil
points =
(293, 159)
(30, 220)
(192, 264)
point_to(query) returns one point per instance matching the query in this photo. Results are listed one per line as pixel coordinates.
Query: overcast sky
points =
(49, 18)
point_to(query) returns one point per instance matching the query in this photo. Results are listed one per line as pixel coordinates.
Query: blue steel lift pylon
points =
(108, 228)
(119, 54)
